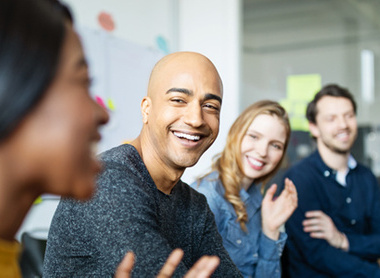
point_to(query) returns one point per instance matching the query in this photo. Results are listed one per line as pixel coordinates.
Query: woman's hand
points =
(275, 212)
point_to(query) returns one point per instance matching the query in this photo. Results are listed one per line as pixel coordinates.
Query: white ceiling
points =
(271, 26)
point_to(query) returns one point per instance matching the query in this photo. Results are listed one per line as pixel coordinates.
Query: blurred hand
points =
(275, 212)
(321, 226)
(203, 268)
(124, 269)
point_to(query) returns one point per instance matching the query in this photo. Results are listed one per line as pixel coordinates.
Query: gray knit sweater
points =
(128, 213)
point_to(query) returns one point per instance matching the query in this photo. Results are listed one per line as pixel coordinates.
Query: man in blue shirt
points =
(335, 231)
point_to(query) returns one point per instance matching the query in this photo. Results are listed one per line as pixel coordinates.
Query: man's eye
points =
(177, 100)
(210, 106)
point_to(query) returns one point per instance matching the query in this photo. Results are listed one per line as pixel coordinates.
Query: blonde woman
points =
(250, 224)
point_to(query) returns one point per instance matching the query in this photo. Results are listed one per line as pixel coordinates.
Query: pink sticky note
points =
(100, 101)
(106, 21)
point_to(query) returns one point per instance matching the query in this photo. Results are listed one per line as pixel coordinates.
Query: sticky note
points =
(162, 44)
(110, 104)
(300, 91)
(100, 101)
(38, 200)
(303, 87)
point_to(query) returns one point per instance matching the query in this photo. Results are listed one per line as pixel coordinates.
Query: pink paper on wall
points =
(106, 21)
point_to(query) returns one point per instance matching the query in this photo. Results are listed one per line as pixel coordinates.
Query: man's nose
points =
(193, 115)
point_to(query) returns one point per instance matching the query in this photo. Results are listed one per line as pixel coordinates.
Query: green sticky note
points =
(299, 123)
(300, 91)
(110, 104)
(286, 103)
(299, 108)
(38, 200)
(303, 87)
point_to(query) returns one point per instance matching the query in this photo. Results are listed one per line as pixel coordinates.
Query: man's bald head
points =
(182, 110)
(181, 63)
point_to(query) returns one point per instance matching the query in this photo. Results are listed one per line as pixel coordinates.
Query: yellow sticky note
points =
(110, 104)
(300, 91)
(299, 108)
(303, 87)
(299, 123)
(286, 103)
(38, 201)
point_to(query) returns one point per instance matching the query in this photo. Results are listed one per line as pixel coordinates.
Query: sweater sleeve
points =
(317, 252)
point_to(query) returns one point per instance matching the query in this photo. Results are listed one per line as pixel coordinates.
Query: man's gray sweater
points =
(129, 213)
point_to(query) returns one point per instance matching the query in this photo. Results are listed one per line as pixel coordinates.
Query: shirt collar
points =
(253, 193)
(351, 162)
(327, 171)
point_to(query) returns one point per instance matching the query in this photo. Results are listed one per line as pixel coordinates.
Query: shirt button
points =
(353, 221)
(348, 200)
(238, 241)
(255, 255)
(327, 173)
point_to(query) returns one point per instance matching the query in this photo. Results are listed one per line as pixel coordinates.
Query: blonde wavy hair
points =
(228, 163)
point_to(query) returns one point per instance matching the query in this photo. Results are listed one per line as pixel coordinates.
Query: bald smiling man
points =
(141, 204)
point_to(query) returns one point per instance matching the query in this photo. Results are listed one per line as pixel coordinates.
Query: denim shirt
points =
(253, 253)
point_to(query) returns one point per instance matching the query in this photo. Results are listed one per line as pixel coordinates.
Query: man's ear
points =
(314, 130)
(146, 105)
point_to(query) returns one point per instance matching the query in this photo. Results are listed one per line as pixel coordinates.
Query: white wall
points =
(210, 27)
(138, 21)
(213, 28)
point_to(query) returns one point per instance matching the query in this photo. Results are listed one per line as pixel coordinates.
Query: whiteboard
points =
(120, 71)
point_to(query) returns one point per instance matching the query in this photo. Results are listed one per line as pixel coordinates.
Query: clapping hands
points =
(203, 268)
(275, 212)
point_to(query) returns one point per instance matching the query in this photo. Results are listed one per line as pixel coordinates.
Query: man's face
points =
(183, 112)
(336, 126)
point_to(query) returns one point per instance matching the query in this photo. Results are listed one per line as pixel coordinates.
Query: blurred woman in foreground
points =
(48, 123)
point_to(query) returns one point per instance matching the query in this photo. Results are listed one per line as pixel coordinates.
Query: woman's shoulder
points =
(209, 185)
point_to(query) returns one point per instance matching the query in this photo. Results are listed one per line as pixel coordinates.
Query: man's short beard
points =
(337, 150)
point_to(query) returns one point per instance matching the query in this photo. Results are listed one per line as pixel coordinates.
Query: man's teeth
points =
(342, 135)
(255, 162)
(187, 136)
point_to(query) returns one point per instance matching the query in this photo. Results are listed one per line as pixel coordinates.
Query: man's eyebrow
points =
(212, 96)
(190, 93)
(180, 90)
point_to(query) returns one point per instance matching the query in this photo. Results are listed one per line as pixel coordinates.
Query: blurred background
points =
(292, 47)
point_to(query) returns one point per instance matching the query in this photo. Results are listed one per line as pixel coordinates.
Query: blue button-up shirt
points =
(254, 254)
(353, 203)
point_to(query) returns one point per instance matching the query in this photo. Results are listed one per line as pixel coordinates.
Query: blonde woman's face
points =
(262, 146)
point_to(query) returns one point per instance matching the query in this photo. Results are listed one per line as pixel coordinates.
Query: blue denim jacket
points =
(253, 253)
